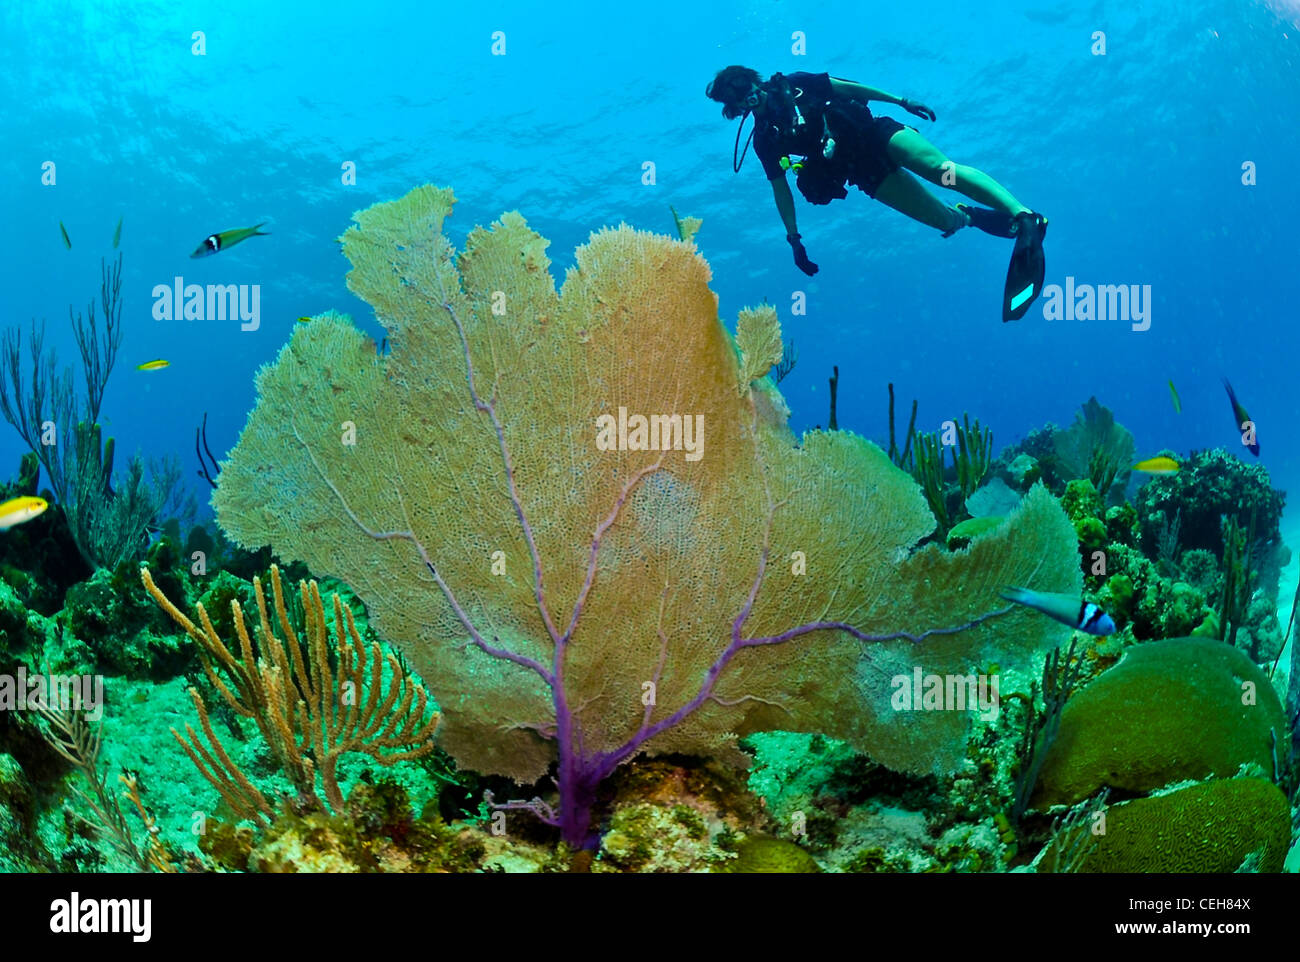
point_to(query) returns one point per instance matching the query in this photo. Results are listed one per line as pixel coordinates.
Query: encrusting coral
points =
(591, 545)
(312, 703)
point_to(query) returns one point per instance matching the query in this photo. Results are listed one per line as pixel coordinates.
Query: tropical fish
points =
(117, 234)
(157, 365)
(304, 320)
(1067, 609)
(1173, 393)
(1160, 465)
(17, 510)
(1244, 424)
(64, 231)
(214, 243)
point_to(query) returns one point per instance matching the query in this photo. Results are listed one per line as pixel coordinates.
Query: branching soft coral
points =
(579, 602)
(312, 702)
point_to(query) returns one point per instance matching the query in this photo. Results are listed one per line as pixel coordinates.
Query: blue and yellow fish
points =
(1067, 609)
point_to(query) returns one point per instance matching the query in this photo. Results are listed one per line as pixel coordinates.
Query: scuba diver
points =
(821, 128)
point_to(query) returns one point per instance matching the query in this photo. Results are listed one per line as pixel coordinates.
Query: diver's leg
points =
(903, 192)
(909, 149)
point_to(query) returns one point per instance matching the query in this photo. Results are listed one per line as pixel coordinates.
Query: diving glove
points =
(801, 260)
(917, 109)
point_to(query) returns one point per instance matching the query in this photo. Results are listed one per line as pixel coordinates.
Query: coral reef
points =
(1208, 486)
(127, 634)
(607, 589)
(38, 559)
(639, 595)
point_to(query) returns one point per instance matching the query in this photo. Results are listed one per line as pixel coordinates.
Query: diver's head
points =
(738, 89)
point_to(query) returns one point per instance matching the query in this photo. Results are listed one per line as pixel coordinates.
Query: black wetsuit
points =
(860, 156)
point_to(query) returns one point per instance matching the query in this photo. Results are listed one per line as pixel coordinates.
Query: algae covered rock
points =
(121, 625)
(653, 838)
(1185, 708)
(1122, 524)
(1218, 826)
(760, 854)
(1024, 471)
(378, 833)
(20, 850)
(1081, 501)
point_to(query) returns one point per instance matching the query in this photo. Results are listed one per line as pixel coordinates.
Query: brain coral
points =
(1183, 708)
(1211, 827)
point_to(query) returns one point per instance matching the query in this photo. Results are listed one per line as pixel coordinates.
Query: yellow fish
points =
(17, 510)
(157, 365)
(1161, 465)
(304, 320)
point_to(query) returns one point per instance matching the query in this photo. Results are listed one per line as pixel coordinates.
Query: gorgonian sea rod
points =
(572, 604)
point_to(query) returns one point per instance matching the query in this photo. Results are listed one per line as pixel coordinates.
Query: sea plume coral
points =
(585, 539)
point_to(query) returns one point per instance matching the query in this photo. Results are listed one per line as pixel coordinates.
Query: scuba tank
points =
(820, 179)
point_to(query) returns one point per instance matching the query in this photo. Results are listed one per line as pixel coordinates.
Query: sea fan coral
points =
(585, 539)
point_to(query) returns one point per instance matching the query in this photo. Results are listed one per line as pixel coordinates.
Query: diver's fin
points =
(989, 221)
(1027, 268)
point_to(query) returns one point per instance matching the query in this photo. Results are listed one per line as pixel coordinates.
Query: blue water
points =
(1136, 156)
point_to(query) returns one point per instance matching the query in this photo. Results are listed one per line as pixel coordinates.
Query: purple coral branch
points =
(577, 792)
(605, 524)
(505, 653)
(518, 659)
(608, 762)
(489, 408)
(863, 636)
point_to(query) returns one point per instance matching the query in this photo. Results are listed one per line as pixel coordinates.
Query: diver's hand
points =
(801, 260)
(918, 109)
